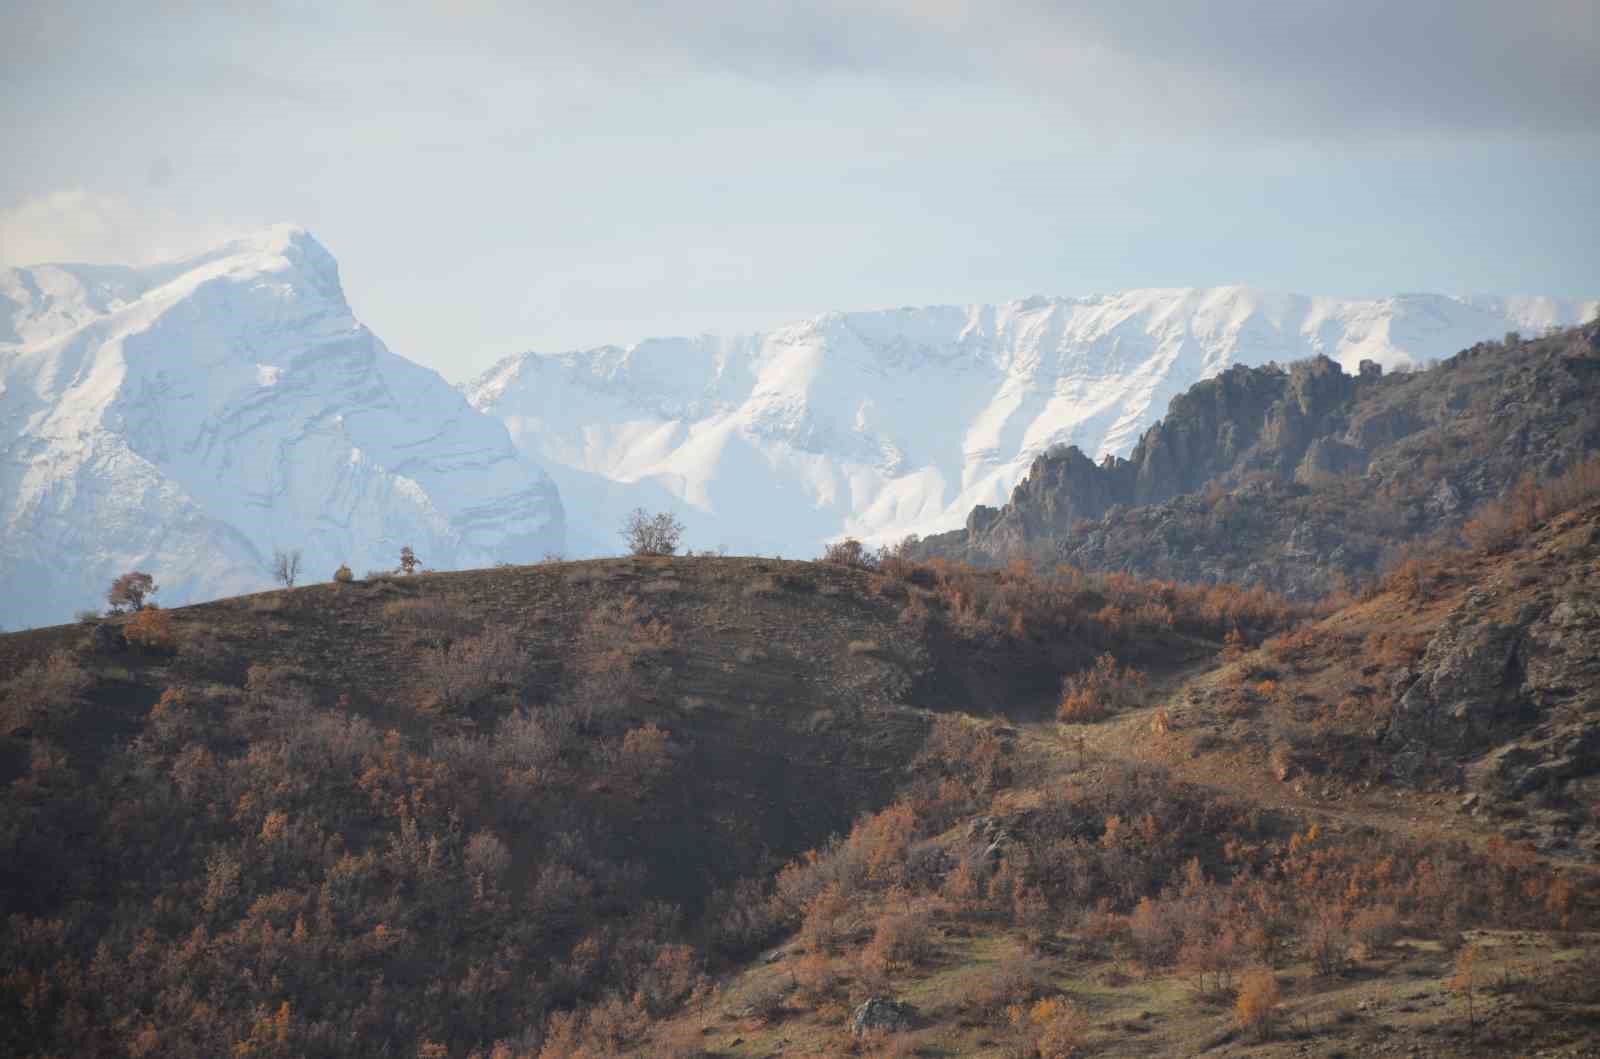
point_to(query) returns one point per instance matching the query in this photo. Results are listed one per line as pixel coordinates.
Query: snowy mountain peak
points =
(894, 421)
(188, 418)
(46, 301)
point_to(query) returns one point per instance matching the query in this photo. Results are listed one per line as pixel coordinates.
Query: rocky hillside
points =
(698, 806)
(1303, 478)
(1372, 835)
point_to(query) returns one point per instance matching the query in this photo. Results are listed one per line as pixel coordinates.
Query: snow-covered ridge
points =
(189, 418)
(884, 423)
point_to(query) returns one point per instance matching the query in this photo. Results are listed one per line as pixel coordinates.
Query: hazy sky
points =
(499, 177)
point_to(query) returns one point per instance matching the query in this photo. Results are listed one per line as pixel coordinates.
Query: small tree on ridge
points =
(286, 567)
(129, 591)
(648, 534)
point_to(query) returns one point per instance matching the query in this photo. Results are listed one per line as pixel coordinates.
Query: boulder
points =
(878, 1013)
(1466, 685)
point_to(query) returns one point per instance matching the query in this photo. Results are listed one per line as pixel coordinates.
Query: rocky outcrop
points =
(881, 1015)
(1243, 421)
(1467, 688)
(1302, 479)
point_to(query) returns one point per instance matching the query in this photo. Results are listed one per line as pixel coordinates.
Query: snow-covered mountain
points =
(189, 418)
(880, 424)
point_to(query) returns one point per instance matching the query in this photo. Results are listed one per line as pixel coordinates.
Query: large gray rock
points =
(881, 1014)
(1467, 686)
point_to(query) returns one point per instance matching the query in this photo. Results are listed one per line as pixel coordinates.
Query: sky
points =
(498, 177)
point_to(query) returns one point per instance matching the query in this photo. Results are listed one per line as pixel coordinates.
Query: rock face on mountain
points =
(190, 418)
(1297, 478)
(883, 424)
(1244, 421)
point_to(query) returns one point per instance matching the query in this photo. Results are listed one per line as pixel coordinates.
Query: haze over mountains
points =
(189, 418)
(880, 424)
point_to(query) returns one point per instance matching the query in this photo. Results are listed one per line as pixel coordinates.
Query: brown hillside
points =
(557, 811)
(1372, 835)
(477, 798)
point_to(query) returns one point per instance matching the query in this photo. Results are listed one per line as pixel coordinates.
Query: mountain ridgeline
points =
(1302, 478)
(676, 807)
(191, 419)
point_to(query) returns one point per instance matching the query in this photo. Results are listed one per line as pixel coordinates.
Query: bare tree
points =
(408, 560)
(648, 534)
(286, 567)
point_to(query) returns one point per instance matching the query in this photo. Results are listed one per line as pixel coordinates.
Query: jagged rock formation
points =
(1244, 421)
(1297, 478)
(882, 424)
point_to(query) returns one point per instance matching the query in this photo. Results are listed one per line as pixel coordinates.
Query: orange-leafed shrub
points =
(1051, 1029)
(902, 937)
(130, 591)
(1256, 1008)
(151, 629)
(1099, 691)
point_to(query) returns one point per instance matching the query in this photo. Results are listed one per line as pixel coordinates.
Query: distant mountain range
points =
(189, 418)
(881, 424)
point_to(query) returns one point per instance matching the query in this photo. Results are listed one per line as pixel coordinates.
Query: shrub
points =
(441, 621)
(1051, 1029)
(469, 669)
(902, 937)
(1256, 1008)
(643, 757)
(1465, 982)
(1376, 926)
(849, 552)
(1012, 981)
(151, 629)
(1281, 760)
(1156, 929)
(130, 591)
(343, 574)
(1327, 936)
(822, 930)
(202, 646)
(50, 688)
(647, 534)
(1500, 523)
(1093, 694)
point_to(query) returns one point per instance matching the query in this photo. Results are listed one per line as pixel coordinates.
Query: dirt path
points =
(1133, 738)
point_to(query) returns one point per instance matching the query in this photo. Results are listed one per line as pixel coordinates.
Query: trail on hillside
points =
(1131, 739)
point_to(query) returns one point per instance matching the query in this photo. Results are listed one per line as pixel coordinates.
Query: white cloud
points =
(88, 226)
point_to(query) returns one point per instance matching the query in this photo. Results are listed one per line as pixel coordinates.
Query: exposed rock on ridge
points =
(1297, 479)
